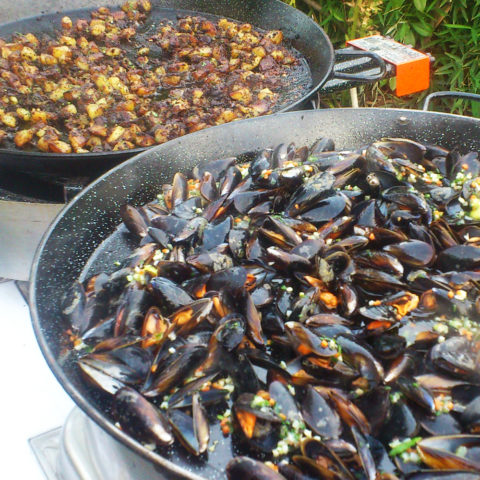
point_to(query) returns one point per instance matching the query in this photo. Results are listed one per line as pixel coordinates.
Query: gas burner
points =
(77, 451)
(39, 187)
(28, 204)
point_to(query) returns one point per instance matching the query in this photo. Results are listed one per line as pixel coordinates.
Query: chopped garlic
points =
(460, 294)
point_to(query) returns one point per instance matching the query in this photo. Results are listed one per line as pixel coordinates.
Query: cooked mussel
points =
(249, 469)
(140, 418)
(257, 420)
(324, 305)
(451, 452)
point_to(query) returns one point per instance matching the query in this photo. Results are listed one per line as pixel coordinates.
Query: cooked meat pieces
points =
(115, 82)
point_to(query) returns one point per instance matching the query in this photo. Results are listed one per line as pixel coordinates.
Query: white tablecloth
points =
(32, 401)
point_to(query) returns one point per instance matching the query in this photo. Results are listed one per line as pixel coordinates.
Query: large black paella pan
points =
(301, 34)
(85, 240)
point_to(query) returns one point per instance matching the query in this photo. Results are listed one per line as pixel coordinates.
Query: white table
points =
(32, 401)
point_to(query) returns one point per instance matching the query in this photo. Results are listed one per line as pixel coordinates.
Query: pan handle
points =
(360, 77)
(467, 96)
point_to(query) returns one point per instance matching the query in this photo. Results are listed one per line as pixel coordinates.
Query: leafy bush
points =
(449, 30)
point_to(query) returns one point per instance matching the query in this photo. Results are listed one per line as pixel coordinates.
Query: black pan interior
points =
(303, 34)
(84, 240)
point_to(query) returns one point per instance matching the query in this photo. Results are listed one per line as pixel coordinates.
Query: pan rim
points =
(52, 362)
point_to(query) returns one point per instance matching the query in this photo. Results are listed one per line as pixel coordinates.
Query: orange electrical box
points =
(412, 68)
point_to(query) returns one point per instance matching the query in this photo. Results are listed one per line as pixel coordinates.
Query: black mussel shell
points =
(401, 424)
(169, 294)
(444, 424)
(215, 234)
(456, 356)
(443, 452)
(140, 418)
(319, 415)
(135, 220)
(188, 360)
(305, 197)
(249, 469)
(443, 475)
(183, 427)
(413, 253)
(216, 167)
(459, 257)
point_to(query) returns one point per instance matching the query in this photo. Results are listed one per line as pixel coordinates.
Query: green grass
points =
(449, 30)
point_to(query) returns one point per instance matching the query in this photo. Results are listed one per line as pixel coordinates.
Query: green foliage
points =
(449, 30)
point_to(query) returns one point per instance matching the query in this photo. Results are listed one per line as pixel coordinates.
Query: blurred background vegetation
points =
(447, 29)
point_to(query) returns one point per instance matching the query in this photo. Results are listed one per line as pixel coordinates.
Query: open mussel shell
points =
(376, 281)
(323, 371)
(470, 417)
(74, 307)
(323, 144)
(141, 419)
(262, 296)
(304, 341)
(216, 167)
(210, 261)
(241, 371)
(458, 452)
(380, 260)
(381, 458)
(349, 412)
(263, 161)
(459, 257)
(155, 325)
(135, 220)
(259, 425)
(246, 468)
(133, 304)
(402, 365)
(309, 193)
(101, 331)
(402, 148)
(319, 415)
(188, 360)
(376, 406)
(366, 458)
(171, 296)
(413, 253)
(189, 389)
(188, 317)
(292, 472)
(99, 377)
(201, 427)
(444, 424)
(401, 423)
(456, 356)
(325, 209)
(279, 233)
(231, 331)
(121, 361)
(216, 234)
(417, 393)
(284, 400)
(322, 467)
(360, 358)
(322, 455)
(191, 436)
(388, 346)
(169, 224)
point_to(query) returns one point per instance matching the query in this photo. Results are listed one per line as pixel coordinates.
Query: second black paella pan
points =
(300, 32)
(85, 240)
